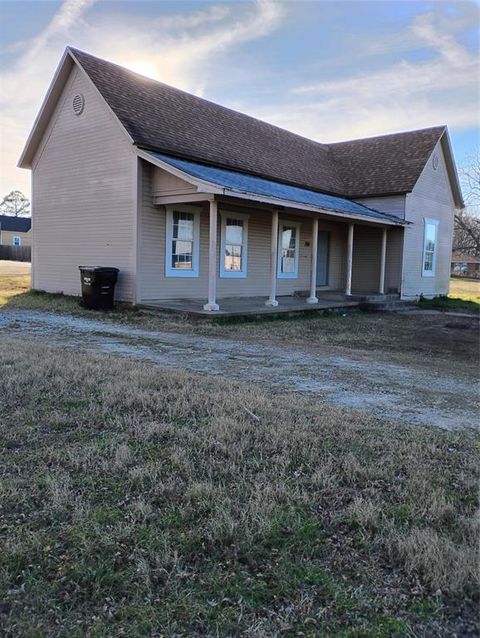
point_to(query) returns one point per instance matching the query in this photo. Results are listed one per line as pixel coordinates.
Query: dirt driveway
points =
(351, 380)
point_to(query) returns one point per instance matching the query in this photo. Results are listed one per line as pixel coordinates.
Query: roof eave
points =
(193, 158)
(46, 109)
(452, 169)
(209, 187)
(49, 103)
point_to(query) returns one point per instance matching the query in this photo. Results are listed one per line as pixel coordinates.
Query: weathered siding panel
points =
(366, 258)
(393, 262)
(367, 246)
(154, 285)
(431, 198)
(83, 195)
(392, 205)
(165, 183)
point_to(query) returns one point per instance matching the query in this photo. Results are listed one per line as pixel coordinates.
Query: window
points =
(288, 245)
(183, 245)
(429, 247)
(233, 247)
(16, 241)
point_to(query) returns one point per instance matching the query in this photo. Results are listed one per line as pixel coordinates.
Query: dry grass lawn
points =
(412, 339)
(466, 289)
(136, 502)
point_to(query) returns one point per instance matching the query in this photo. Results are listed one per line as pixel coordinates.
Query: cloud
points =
(182, 49)
(404, 95)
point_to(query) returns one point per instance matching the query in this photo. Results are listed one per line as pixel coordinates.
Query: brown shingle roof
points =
(386, 164)
(162, 118)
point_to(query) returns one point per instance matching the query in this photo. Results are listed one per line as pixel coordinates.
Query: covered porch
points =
(295, 251)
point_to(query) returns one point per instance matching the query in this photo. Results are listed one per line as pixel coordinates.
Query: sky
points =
(330, 71)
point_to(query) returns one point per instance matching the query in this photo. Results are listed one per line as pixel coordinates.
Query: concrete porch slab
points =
(251, 306)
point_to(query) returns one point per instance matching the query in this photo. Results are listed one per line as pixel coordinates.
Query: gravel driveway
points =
(387, 390)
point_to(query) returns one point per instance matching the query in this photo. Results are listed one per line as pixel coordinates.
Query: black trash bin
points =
(98, 286)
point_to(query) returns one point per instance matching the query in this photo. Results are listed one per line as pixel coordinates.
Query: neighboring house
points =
(15, 231)
(192, 200)
(465, 265)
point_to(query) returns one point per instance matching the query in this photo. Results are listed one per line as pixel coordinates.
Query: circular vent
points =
(78, 104)
(435, 162)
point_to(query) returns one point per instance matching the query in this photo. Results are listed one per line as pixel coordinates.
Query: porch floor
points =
(247, 306)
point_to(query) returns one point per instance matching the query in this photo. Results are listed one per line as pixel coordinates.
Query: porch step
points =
(375, 297)
(386, 305)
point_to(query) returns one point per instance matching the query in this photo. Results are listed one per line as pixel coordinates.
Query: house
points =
(465, 265)
(195, 201)
(15, 231)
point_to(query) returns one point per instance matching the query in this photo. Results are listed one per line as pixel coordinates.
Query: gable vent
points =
(78, 104)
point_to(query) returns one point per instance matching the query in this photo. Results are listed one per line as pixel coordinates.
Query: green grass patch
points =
(137, 501)
(453, 304)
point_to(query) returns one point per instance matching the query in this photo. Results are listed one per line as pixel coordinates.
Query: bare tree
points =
(466, 235)
(470, 177)
(15, 204)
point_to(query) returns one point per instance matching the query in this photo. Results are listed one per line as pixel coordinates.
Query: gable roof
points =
(385, 164)
(161, 118)
(240, 185)
(15, 224)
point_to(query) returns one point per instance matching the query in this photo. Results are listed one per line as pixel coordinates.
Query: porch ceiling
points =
(232, 183)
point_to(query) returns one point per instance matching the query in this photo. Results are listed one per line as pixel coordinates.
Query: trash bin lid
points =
(99, 268)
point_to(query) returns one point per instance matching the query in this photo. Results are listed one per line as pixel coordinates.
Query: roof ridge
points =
(429, 129)
(166, 119)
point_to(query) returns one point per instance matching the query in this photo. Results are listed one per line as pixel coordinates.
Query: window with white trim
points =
(182, 242)
(288, 248)
(429, 247)
(234, 245)
(16, 241)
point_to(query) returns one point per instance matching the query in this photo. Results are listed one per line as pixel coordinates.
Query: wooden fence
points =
(16, 253)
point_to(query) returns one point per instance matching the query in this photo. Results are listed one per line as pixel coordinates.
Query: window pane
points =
(182, 254)
(430, 232)
(233, 257)
(288, 237)
(183, 226)
(429, 246)
(234, 231)
(288, 249)
(288, 264)
(428, 264)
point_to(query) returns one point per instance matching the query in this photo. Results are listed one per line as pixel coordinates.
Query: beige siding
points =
(83, 194)
(393, 204)
(431, 198)
(164, 183)
(6, 237)
(393, 262)
(366, 259)
(154, 285)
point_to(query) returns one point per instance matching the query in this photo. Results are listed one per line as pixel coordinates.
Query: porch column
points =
(348, 288)
(212, 259)
(271, 301)
(381, 287)
(313, 268)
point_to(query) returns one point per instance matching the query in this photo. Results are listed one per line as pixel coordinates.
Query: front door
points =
(322, 257)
